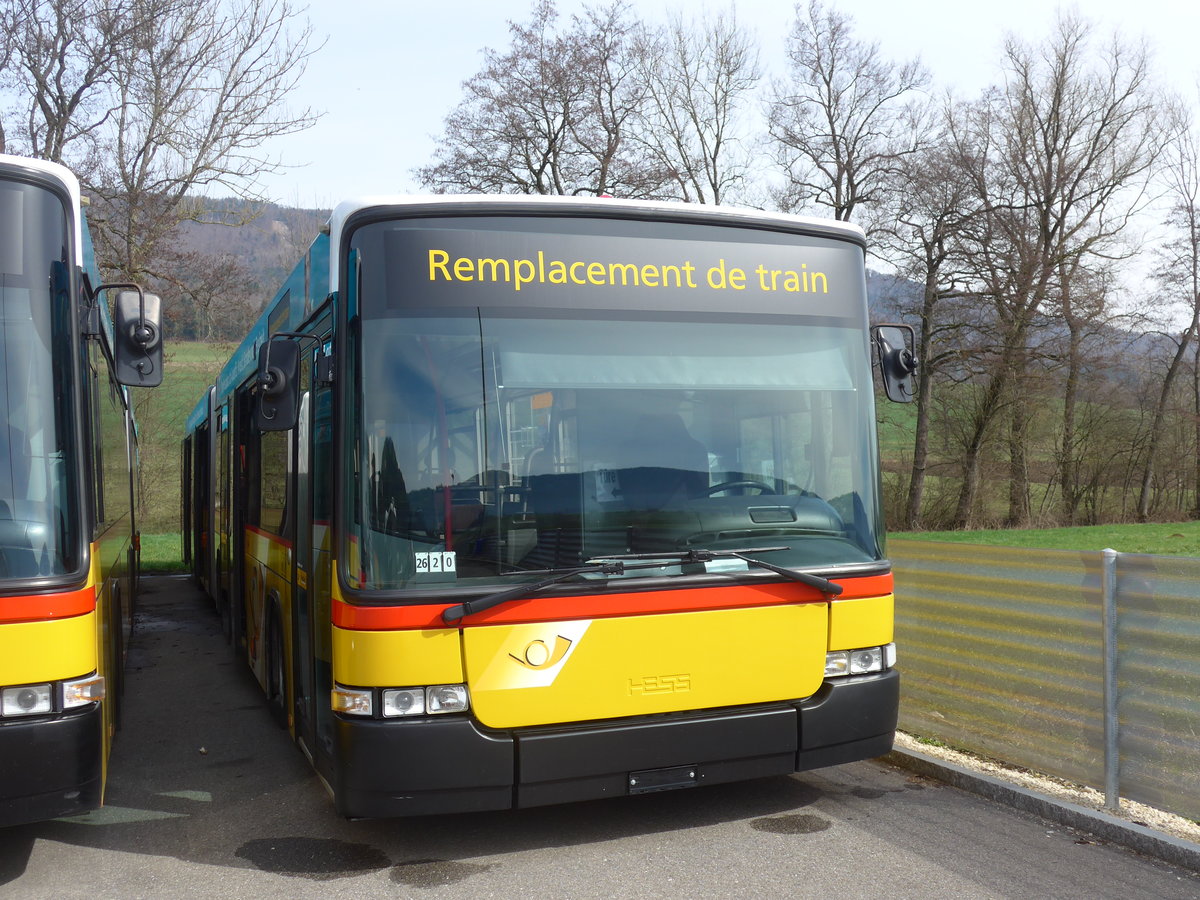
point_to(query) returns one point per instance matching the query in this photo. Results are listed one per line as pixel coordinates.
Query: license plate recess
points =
(670, 779)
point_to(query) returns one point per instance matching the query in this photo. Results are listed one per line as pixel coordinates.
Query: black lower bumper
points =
(50, 768)
(849, 719)
(398, 768)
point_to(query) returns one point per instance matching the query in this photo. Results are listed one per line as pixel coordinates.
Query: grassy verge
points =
(161, 554)
(1169, 539)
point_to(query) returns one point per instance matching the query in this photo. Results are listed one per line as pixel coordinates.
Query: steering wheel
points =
(761, 486)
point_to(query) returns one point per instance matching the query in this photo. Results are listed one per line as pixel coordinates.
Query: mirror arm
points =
(277, 380)
(125, 286)
(269, 380)
(143, 334)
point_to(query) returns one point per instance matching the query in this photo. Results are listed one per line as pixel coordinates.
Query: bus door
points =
(202, 509)
(195, 496)
(185, 481)
(312, 675)
(243, 443)
(223, 588)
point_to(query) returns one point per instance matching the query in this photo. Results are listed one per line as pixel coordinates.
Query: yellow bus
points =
(68, 532)
(520, 501)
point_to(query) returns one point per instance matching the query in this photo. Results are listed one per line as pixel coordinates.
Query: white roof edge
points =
(719, 214)
(65, 177)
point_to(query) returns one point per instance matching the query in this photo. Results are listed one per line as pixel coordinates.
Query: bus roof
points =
(292, 302)
(516, 204)
(199, 414)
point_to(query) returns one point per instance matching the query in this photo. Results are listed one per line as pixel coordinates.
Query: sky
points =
(390, 70)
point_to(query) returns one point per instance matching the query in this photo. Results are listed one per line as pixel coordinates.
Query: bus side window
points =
(92, 374)
(274, 447)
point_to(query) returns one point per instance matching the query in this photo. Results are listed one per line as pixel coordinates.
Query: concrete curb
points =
(1141, 838)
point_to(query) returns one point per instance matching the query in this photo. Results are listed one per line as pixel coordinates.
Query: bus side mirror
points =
(278, 396)
(138, 354)
(894, 345)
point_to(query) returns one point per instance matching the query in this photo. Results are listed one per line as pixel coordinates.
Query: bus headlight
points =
(28, 700)
(447, 698)
(404, 702)
(864, 661)
(837, 662)
(434, 700)
(426, 700)
(352, 701)
(83, 691)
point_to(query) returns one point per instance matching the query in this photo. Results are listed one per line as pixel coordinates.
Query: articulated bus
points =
(511, 502)
(68, 532)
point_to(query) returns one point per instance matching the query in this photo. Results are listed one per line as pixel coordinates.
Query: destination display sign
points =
(677, 268)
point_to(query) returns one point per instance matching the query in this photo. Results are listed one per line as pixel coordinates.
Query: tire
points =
(276, 671)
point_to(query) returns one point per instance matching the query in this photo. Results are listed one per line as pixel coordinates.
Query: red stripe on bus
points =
(44, 607)
(599, 606)
(270, 536)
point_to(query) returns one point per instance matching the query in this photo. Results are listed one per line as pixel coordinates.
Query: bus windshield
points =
(38, 519)
(495, 441)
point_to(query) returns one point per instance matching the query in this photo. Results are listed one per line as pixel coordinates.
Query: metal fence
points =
(1005, 652)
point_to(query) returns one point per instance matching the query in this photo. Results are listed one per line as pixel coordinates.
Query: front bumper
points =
(50, 767)
(431, 766)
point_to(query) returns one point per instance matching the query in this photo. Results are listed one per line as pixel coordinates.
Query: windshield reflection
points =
(499, 445)
(37, 536)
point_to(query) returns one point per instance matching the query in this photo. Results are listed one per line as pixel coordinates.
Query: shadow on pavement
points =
(201, 773)
(15, 846)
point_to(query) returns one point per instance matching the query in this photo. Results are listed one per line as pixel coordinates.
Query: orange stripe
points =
(598, 606)
(43, 607)
(270, 536)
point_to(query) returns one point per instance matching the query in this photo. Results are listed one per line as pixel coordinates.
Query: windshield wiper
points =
(607, 566)
(824, 585)
(620, 564)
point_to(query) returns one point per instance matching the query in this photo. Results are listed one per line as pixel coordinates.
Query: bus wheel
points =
(276, 679)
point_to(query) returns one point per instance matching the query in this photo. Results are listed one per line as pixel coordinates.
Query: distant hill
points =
(887, 295)
(266, 238)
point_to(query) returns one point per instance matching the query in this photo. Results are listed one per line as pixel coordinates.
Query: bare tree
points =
(842, 120)
(1179, 276)
(8, 42)
(1057, 161)
(512, 131)
(153, 100)
(554, 113)
(606, 106)
(58, 58)
(700, 77)
(1083, 301)
(198, 98)
(612, 48)
(929, 207)
(220, 294)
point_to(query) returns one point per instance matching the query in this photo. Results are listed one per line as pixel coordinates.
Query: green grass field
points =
(161, 553)
(188, 369)
(1169, 539)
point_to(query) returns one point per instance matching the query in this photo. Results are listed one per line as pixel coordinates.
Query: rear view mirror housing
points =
(277, 398)
(894, 346)
(138, 345)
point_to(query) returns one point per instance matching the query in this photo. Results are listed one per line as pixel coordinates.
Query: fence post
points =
(1108, 586)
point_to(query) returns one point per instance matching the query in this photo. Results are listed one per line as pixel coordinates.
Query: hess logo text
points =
(660, 684)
